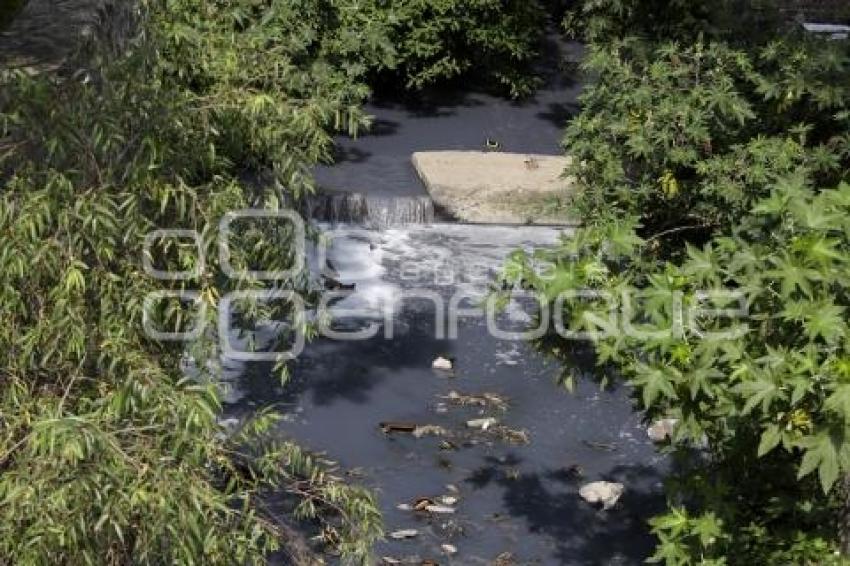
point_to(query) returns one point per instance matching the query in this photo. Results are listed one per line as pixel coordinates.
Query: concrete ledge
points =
(495, 187)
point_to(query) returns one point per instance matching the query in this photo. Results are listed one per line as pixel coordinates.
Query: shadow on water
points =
(582, 534)
(330, 371)
(453, 118)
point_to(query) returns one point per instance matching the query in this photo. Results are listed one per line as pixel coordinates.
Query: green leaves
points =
(656, 384)
(108, 453)
(440, 40)
(821, 454)
(721, 141)
(838, 403)
(770, 439)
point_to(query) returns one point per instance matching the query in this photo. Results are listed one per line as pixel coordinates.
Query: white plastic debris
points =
(482, 424)
(442, 364)
(448, 500)
(606, 493)
(440, 509)
(404, 534)
(449, 549)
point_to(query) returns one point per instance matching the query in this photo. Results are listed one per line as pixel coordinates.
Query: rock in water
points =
(662, 430)
(442, 364)
(606, 493)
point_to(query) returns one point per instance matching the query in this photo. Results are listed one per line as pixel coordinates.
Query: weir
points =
(371, 211)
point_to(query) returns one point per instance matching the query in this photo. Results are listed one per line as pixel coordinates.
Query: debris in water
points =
(440, 510)
(606, 446)
(429, 430)
(390, 561)
(607, 493)
(447, 445)
(662, 430)
(411, 428)
(404, 534)
(404, 507)
(510, 435)
(443, 364)
(452, 488)
(492, 145)
(482, 424)
(389, 427)
(422, 503)
(332, 284)
(449, 549)
(448, 500)
(493, 400)
(504, 559)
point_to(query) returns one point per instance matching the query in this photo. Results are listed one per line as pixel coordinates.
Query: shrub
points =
(108, 453)
(688, 137)
(492, 40)
(710, 177)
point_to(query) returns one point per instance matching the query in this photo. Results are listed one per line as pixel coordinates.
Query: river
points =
(512, 497)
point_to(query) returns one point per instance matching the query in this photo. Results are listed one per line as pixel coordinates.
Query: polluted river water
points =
(511, 483)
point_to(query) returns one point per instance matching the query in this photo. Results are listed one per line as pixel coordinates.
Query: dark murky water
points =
(379, 162)
(521, 499)
(512, 498)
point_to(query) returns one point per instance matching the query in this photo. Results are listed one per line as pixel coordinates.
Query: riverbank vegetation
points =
(712, 161)
(109, 454)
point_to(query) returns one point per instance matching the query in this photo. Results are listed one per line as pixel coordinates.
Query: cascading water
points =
(370, 210)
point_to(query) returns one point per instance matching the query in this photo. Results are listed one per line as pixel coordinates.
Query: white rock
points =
(449, 549)
(442, 364)
(662, 430)
(606, 493)
(404, 533)
(483, 424)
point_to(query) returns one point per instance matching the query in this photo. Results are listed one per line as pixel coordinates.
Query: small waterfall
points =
(372, 211)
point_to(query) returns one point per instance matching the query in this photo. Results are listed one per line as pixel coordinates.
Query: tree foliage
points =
(108, 453)
(712, 177)
(492, 40)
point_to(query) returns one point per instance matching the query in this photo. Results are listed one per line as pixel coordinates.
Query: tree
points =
(710, 174)
(108, 453)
